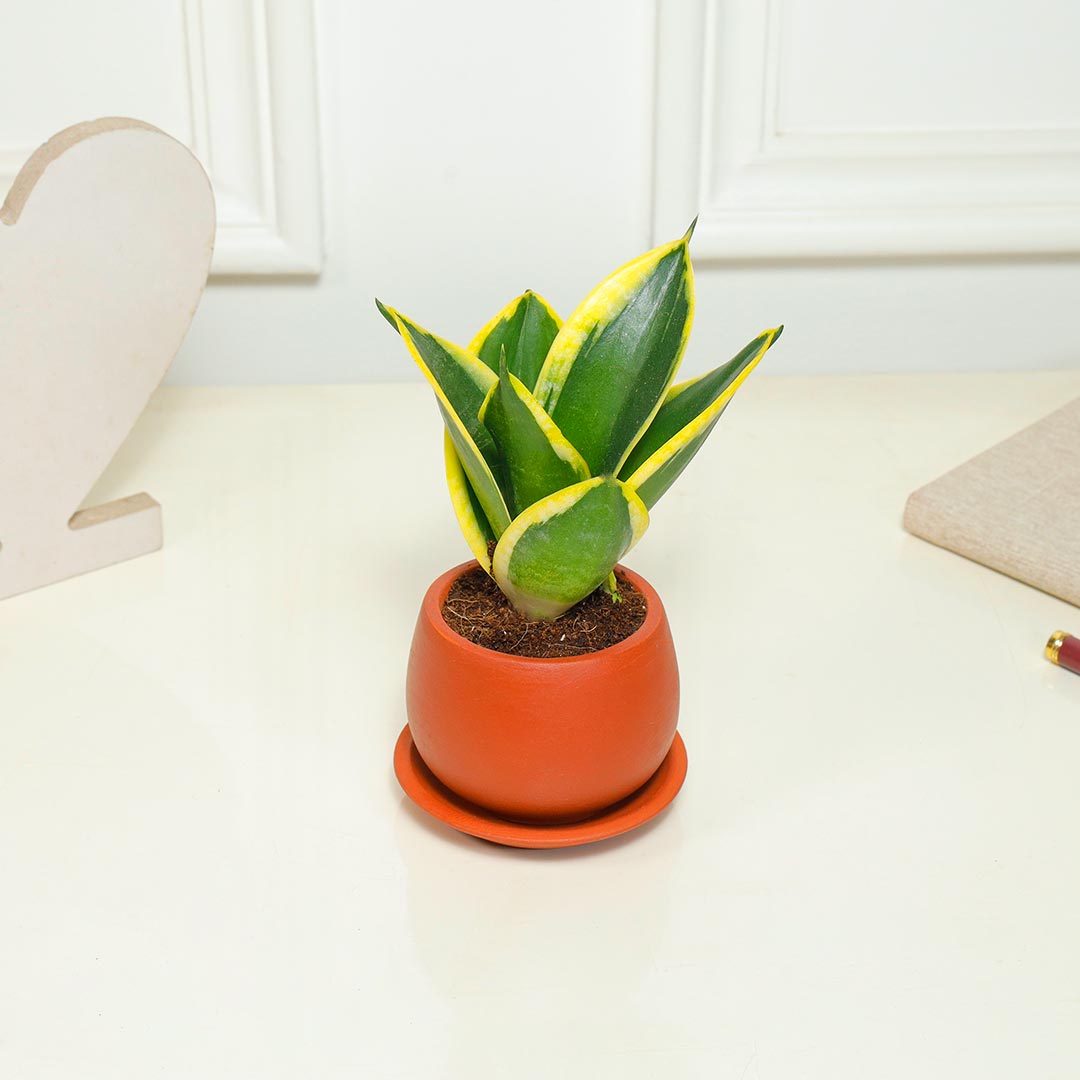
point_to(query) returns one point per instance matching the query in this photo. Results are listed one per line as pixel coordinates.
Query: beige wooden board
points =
(1015, 507)
(107, 238)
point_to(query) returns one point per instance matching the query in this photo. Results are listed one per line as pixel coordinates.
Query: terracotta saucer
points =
(429, 794)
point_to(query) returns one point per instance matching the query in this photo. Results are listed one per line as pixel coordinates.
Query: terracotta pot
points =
(542, 740)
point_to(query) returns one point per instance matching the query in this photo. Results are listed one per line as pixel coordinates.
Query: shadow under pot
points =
(542, 740)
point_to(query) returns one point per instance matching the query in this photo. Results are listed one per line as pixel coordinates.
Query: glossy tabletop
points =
(207, 869)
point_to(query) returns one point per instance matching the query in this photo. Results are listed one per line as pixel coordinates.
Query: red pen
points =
(1064, 650)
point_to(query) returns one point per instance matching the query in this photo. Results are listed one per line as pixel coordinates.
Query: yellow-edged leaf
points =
(460, 382)
(537, 457)
(525, 328)
(563, 547)
(467, 509)
(615, 356)
(683, 423)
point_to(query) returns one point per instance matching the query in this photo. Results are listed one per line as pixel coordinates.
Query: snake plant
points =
(561, 436)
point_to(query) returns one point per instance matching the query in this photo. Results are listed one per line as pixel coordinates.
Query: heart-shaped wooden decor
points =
(105, 246)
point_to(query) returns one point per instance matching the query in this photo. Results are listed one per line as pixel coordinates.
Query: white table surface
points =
(207, 869)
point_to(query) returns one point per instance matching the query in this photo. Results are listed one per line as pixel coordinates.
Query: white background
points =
(208, 872)
(899, 183)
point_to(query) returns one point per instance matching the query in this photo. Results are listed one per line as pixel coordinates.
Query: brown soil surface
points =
(476, 609)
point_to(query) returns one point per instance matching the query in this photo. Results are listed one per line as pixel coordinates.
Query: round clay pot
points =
(542, 740)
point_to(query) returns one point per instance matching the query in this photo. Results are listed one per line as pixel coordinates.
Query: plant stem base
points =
(420, 784)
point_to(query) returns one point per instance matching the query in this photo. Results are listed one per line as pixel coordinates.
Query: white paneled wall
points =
(235, 81)
(898, 182)
(825, 128)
